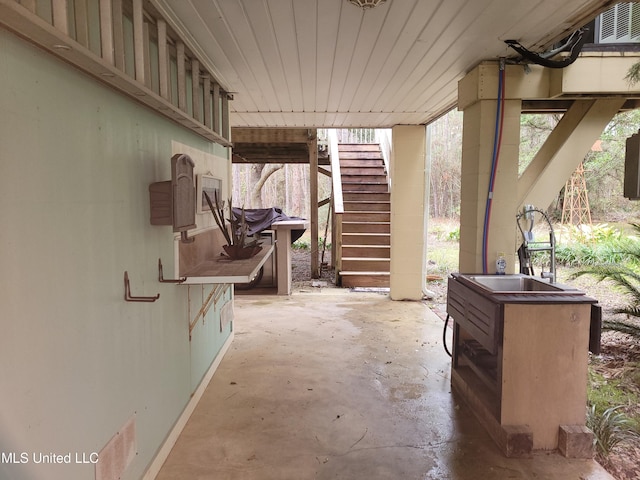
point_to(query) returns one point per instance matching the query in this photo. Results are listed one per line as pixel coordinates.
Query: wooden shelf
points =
(223, 270)
(488, 376)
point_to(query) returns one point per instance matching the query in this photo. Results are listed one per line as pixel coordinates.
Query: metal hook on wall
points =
(185, 238)
(161, 278)
(127, 293)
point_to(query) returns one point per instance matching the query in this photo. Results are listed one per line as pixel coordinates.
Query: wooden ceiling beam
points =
(271, 135)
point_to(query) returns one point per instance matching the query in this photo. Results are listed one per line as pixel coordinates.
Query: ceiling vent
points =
(367, 3)
(621, 24)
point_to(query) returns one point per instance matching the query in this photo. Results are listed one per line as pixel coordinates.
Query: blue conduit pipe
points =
(497, 140)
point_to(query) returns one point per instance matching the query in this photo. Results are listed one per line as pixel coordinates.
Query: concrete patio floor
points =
(340, 385)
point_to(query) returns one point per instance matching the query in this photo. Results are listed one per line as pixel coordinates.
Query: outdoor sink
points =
(510, 331)
(518, 284)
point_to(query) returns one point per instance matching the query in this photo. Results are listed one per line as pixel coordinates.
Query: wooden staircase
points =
(366, 221)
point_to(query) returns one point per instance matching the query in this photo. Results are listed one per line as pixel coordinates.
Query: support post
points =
(407, 212)
(477, 155)
(312, 144)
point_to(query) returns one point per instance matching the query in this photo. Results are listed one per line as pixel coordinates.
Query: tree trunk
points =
(262, 172)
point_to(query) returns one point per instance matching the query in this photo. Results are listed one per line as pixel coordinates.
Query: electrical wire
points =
(497, 141)
(573, 45)
(444, 335)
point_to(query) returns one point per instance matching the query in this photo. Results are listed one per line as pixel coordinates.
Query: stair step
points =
(358, 147)
(361, 162)
(364, 279)
(366, 196)
(364, 179)
(360, 154)
(366, 251)
(366, 238)
(366, 206)
(372, 274)
(365, 187)
(359, 183)
(355, 264)
(366, 216)
(363, 170)
(366, 227)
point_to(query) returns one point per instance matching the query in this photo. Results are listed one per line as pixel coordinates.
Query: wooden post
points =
(312, 144)
(336, 245)
(29, 5)
(283, 252)
(224, 132)
(182, 90)
(106, 30)
(138, 40)
(82, 22)
(118, 36)
(60, 19)
(195, 89)
(147, 55)
(216, 107)
(163, 59)
(207, 100)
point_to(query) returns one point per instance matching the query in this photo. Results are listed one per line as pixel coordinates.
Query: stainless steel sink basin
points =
(521, 284)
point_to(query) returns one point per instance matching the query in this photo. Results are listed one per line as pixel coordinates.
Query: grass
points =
(605, 393)
(443, 259)
(442, 246)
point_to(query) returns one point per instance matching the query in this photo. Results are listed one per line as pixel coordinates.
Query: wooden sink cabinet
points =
(520, 362)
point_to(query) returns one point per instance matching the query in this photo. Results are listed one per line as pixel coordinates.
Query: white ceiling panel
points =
(325, 63)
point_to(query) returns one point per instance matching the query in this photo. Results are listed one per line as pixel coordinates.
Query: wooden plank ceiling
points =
(328, 63)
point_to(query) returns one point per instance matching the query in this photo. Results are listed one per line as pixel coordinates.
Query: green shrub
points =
(454, 235)
(589, 233)
(616, 260)
(304, 244)
(610, 249)
(301, 244)
(610, 428)
(446, 232)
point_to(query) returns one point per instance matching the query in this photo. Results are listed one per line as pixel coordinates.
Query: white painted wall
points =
(76, 360)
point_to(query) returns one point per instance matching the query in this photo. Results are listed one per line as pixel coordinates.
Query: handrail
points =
(334, 156)
(356, 135)
(338, 203)
(383, 137)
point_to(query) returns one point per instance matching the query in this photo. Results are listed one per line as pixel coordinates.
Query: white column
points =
(407, 212)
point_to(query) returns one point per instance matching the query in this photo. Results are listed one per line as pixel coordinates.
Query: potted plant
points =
(234, 230)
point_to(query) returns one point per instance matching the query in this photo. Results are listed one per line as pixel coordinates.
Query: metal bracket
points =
(185, 238)
(127, 293)
(161, 278)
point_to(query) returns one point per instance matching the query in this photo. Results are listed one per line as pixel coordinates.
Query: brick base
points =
(575, 441)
